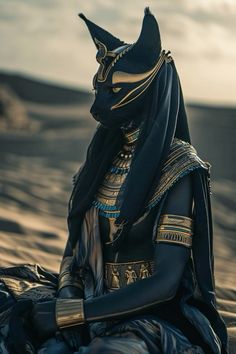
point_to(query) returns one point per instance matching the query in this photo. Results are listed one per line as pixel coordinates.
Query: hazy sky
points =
(45, 38)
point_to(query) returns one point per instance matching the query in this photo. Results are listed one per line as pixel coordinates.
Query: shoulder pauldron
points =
(181, 160)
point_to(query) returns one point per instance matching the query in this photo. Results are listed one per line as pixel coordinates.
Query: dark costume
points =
(139, 250)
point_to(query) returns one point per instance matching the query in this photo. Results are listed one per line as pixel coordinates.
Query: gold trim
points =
(112, 182)
(116, 89)
(144, 84)
(128, 78)
(101, 47)
(69, 312)
(132, 136)
(175, 229)
(174, 219)
(181, 159)
(124, 77)
(175, 237)
(164, 230)
(118, 275)
(128, 263)
(102, 73)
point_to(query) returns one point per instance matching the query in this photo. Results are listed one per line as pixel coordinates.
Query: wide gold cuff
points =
(176, 229)
(65, 276)
(69, 312)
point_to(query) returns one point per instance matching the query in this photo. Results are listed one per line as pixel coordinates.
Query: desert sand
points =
(38, 159)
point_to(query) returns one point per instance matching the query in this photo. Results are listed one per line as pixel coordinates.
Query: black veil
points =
(165, 118)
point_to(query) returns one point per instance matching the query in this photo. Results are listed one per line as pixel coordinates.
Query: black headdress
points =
(164, 117)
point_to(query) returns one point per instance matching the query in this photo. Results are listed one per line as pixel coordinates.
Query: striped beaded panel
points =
(182, 159)
(105, 199)
(176, 229)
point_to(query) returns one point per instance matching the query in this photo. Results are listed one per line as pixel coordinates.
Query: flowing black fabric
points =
(20, 333)
(165, 111)
(203, 256)
(165, 119)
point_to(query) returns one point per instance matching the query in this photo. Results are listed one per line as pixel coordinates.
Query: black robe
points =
(196, 297)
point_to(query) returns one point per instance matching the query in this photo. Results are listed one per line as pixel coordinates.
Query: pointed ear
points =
(147, 48)
(101, 35)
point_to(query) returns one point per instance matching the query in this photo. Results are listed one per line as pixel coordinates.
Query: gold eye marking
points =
(121, 76)
(124, 77)
(145, 84)
(116, 89)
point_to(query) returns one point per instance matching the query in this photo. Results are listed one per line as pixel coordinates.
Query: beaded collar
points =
(105, 199)
(182, 159)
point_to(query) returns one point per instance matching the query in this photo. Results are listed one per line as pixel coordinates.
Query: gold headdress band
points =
(103, 53)
(146, 78)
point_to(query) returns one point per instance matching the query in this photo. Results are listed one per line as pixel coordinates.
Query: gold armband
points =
(65, 276)
(176, 229)
(69, 312)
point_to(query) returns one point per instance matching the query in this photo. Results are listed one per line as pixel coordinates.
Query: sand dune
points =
(36, 172)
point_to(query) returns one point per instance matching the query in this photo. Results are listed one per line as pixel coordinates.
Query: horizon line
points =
(70, 86)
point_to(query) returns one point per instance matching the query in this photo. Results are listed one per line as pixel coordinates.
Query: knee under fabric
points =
(21, 339)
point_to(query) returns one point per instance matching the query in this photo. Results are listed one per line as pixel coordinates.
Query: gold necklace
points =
(105, 199)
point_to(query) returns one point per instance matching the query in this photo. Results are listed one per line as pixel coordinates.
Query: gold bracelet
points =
(176, 229)
(173, 219)
(69, 312)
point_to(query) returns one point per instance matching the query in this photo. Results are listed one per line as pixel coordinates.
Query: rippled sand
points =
(36, 178)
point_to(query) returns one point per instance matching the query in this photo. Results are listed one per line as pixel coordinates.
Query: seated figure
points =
(137, 274)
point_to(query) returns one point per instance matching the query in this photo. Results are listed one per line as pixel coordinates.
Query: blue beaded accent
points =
(119, 170)
(157, 200)
(106, 210)
(102, 206)
(185, 158)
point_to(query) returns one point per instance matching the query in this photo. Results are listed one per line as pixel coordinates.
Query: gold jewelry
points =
(118, 275)
(69, 312)
(106, 196)
(181, 160)
(132, 136)
(103, 53)
(176, 229)
(146, 80)
(124, 77)
(180, 220)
